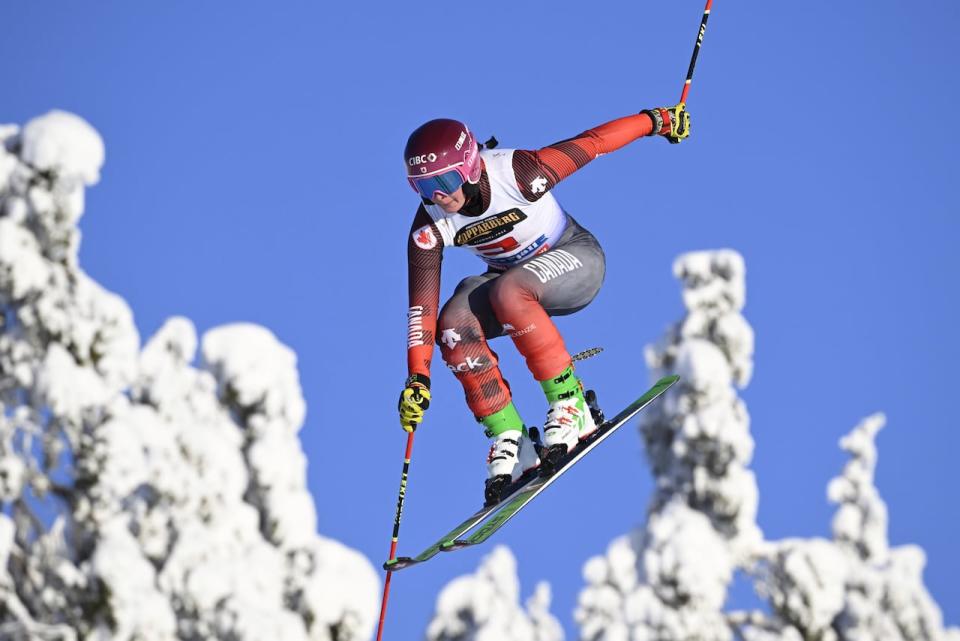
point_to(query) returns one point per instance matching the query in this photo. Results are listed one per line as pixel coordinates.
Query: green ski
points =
(402, 562)
(525, 489)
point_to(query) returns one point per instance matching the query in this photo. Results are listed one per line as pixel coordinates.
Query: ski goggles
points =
(446, 182)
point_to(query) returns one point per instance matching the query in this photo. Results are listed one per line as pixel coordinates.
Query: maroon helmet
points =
(441, 155)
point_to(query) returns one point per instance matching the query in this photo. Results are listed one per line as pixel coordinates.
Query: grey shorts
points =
(563, 280)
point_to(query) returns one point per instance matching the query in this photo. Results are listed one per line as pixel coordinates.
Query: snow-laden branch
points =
(484, 606)
(144, 497)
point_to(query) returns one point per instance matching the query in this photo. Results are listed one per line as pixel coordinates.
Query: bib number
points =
(502, 246)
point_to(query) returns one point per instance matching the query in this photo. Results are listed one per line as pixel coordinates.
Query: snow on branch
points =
(860, 523)
(142, 496)
(484, 606)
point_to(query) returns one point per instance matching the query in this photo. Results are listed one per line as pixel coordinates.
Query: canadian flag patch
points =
(424, 238)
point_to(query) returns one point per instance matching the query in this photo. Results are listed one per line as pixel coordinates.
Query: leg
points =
(464, 325)
(560, 282)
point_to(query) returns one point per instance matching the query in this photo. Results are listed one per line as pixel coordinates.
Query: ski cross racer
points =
(540, 263)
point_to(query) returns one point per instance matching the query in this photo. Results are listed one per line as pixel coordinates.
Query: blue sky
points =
(254, 173)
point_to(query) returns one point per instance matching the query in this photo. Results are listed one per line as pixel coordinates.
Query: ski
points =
(525, 489)
(506, 510)
(402, 562)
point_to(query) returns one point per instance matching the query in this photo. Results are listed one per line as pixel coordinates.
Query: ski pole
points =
(396, 533)
(696, 52)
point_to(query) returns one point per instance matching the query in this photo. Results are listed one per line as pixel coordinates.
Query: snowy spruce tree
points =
(668, 580)
(147, 494)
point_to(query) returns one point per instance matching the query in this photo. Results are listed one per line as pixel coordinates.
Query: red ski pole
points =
(396, 533)
(696, 52)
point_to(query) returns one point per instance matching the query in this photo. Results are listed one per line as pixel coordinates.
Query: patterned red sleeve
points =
(424, 255)
(539, 171)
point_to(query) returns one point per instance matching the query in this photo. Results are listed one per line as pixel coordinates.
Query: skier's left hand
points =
(679, 123)
(673, 123)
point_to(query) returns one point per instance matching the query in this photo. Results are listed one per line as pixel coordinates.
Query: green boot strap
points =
(505, 420)
(563, 386)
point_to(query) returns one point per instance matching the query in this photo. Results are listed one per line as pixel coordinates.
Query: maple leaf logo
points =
(424, 238)
(538, 185)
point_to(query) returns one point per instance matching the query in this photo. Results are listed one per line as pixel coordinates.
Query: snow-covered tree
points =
(668, 581)
(144, 495)
(484, 606)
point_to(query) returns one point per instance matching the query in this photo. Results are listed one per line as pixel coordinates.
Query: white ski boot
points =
(569, 419)
(512, 452)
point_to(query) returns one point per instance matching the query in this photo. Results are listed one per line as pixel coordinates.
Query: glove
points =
(414, 400)
(673, 123)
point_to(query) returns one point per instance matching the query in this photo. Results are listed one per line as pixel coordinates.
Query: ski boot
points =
(512, 454)
(571, 418)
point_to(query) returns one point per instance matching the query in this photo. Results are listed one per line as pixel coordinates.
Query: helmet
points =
(441, 155)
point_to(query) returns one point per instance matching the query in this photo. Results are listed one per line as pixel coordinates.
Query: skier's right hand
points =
(414, 400)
